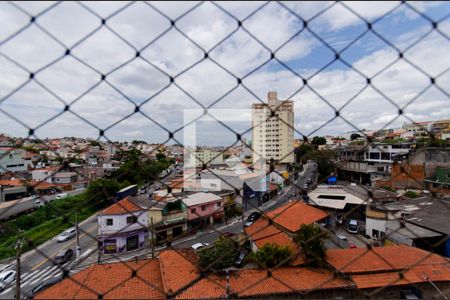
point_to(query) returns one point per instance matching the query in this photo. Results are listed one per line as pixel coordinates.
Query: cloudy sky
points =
(73, 78)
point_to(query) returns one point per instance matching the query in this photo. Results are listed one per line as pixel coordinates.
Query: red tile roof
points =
(112, 281)
(12, 182)
(257, 283)
(417, 274)
(177, 270)
(261, 233)
(294, 214)
(123, 206)
(380, 259)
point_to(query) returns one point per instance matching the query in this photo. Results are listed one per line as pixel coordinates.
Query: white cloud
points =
(240, 54)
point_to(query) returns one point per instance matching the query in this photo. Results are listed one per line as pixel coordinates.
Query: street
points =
(37, 266)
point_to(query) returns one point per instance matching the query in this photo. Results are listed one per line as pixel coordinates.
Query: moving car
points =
(252, 218)
(63, 256)
(6, 278)
(67, 235)
(199, 246)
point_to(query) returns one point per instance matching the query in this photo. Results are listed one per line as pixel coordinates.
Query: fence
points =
(78, 68)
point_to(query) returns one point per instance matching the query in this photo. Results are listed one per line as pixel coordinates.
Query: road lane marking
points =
(29, 253)
(7, 290)
(66, 247)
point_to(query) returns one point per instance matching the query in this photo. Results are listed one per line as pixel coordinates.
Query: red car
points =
(351, 245)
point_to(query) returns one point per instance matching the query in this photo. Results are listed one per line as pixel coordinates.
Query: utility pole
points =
(19, 243)
(78, 250)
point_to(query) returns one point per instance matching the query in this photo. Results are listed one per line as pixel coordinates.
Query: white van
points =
(62, 195)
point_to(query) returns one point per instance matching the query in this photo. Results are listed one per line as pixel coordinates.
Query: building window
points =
(193, 210)
(203, 207)
(131, 219)
(109, 222)
(218, 204)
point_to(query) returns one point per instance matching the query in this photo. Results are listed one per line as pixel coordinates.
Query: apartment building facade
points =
(273, 130)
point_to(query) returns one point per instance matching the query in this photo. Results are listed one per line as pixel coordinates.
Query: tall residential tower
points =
(273, 137)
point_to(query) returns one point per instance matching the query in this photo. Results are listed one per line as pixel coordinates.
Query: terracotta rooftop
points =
(257, 283)
(261, 233)
(178, 270)
(417, 274)
(294, 214)
(12, 182)
(111, 281)
(176, 275)
(123, 206)
(380, 259)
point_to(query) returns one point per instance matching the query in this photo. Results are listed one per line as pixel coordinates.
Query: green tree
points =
(411, 194)
(220, 256)
(354, 136)
(272, 255)
(325, 160)
(100, 192)
(302, 150)
(318, 140)
(94, 143)
(311, 239)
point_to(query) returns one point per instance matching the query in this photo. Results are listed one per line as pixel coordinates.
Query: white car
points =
(62, 195)
(6, 278)
(67, 235)
(199, 246)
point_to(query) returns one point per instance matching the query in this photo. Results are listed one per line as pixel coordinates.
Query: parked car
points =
(252, 218)
(67, 235)
(42, 286)
(199, 246)
(352, 226)
(63, 256)
(342, 241)
(351, 245)
(62, 195)
(6, 278)
(240, 259)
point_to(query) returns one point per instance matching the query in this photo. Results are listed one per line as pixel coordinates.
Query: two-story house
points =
(122, 227)
(167, 217)
(203, 208)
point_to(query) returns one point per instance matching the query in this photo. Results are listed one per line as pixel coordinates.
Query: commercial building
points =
(273, 130)
(122, 227)
(12, 160)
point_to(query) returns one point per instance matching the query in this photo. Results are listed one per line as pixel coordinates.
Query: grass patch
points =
(43, 224)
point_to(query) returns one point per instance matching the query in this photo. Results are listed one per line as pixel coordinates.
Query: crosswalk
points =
(30, 279)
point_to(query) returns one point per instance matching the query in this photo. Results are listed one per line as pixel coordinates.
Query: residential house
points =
(167, 218)
(286, 220)
(122, 227)
(204, 208)
(44, 174)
